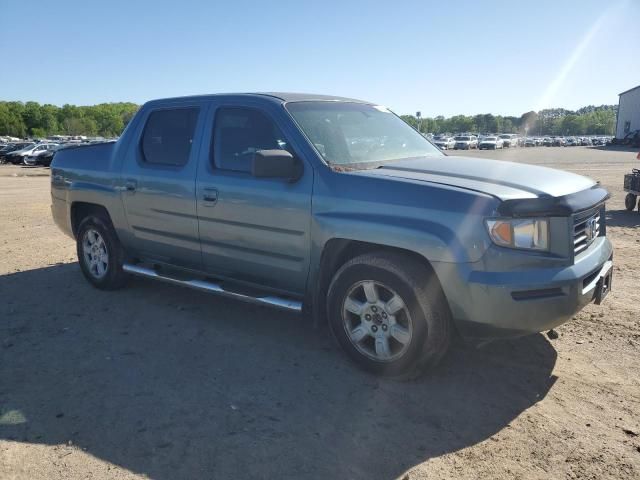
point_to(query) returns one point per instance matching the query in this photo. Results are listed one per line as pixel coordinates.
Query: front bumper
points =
(487, 305)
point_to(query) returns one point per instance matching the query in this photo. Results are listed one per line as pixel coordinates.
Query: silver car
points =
(465, 142)
(444, 142)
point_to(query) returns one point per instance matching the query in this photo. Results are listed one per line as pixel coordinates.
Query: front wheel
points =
(389, 314)
(100, 254)
(630, 202)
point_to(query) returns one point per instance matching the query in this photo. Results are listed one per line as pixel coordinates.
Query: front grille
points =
(586, 228)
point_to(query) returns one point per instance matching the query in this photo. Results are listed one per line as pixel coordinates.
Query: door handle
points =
(130, 185)
(210, 196)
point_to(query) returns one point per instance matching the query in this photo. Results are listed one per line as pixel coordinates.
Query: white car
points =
(509, 140)
(491, 143)
(444, 142)
(465, 142)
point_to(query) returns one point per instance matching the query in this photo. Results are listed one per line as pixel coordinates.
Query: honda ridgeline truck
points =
(336, 207)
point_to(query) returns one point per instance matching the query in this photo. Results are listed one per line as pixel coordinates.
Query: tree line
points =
(591, 120)
(31, 119)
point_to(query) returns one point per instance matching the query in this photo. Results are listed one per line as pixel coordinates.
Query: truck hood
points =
(503, 180)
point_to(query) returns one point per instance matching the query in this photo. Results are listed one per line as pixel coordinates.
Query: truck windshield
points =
(353, 133)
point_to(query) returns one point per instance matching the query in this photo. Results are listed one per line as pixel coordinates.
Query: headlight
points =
(528, 233)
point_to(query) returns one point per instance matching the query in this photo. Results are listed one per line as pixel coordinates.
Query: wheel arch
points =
(81, 210)
(336, 252)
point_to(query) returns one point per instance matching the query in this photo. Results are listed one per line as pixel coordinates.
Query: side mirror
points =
(275, 164)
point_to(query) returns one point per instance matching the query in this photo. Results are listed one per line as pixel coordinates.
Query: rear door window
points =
(168, 136)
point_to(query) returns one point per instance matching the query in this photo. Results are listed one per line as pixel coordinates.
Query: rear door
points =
(254, 230)
(158, 185)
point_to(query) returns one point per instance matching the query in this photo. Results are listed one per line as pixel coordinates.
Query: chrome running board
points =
(211, 287)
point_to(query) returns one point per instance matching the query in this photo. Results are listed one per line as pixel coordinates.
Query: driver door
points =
(253, 230)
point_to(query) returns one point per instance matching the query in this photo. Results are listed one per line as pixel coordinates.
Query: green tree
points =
(573, 125)
(49, 119)
(109, 119)
(32, 116)
(37, 132)
(411, 120)
(11, 121)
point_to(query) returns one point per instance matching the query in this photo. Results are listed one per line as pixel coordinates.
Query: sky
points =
(440, 58)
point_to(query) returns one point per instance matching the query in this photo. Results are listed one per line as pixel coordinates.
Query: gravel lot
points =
(155, 381)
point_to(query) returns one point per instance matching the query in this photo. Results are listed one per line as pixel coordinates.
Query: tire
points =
(630, 202)
(421, 320)
(106, 272)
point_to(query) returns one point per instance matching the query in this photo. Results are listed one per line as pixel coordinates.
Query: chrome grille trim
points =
(583, 236)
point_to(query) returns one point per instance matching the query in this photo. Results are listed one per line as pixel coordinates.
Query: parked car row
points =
(29, 153)
(459, 142)
(470, 141)
(511, 140)
(36, 152)
(7, 148)
(566, 141)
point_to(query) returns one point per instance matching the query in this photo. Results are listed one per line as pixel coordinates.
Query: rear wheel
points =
(389, 314)
(630, 201)
(100, 254)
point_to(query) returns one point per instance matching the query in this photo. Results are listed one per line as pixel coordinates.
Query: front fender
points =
(433, 240)
(441, 223)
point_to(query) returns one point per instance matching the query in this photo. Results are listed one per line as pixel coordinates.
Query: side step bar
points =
(211, 287)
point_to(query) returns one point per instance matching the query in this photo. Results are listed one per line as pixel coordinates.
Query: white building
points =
(628, 112)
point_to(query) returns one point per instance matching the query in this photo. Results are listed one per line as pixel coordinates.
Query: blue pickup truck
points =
(336, 207)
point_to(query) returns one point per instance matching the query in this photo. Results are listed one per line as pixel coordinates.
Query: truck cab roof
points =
(278, 97)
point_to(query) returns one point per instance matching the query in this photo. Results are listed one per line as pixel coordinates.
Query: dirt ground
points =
(155, 381)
